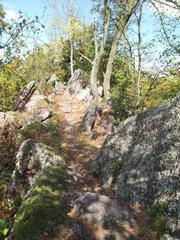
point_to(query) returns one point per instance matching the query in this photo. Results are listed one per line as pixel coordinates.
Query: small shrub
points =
(158, 219)
(47, 133)
(3, 228)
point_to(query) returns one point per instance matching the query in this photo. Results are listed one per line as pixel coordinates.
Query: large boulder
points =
(141, 157)
(32, 157)
(40, 181)
(75, 84)
(24, 96)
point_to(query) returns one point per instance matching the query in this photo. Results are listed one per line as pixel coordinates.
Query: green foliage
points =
(47, 60)
(163, 91)
(3, 228)
(124, 89)
(47, 133)
(11, 81)
(42, 211)
(122, 92)
(158, 219)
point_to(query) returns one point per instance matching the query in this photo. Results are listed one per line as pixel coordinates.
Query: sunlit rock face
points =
(37, 116)
(24, 96)
(142, 157)
(75, 84)
(32, 157)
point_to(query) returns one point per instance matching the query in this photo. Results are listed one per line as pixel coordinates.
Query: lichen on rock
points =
(148, 147)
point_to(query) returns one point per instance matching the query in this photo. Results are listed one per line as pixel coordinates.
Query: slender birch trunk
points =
(121, 23)
(99, 52)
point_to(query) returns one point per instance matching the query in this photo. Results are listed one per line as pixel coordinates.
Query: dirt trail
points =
(81, 152)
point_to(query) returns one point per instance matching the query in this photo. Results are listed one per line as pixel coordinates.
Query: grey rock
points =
(24, 96)
(107, 122)
(100, 91)
(59, 88)
(32, 157)
(102, 211)
(38, 116)
(84, 94)
(89, 118)
(34, 101)
(75, 84)
(141, 157)
(53, 79)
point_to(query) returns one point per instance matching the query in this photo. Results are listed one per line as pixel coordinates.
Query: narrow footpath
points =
(80, 151)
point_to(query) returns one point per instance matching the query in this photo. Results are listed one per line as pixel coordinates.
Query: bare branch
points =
(164, 30)
(82, 55)
(176, 5)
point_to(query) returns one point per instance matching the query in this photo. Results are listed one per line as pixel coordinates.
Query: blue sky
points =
(43, 9)
(37, 7)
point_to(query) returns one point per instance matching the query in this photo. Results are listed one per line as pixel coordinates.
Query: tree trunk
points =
(99, 53)
(121, 24)
(139, 18)
(72, 57)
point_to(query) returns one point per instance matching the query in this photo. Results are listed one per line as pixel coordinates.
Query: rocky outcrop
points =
(58, 87)
(33, 157)
(84, 94)
(75, 84)
(24, 96)
(34, 102)
(38, 116)
(89, 119)
(40, 180)
(142, 157)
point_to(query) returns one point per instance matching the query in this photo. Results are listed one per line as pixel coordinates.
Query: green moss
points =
(42, 211)
(47, 133)
(116, 169)
(158, 218)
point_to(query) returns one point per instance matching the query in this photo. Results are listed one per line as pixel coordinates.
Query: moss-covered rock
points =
(42, 210)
